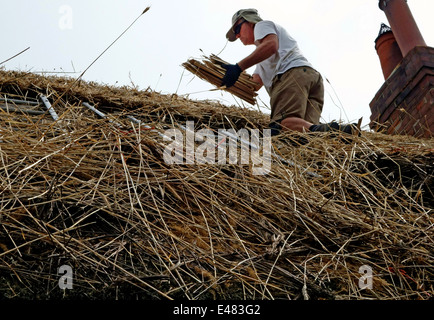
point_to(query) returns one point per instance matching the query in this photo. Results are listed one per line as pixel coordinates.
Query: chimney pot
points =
(388, 50)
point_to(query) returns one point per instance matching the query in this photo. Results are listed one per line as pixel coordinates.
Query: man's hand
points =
(257, 78)
(233, 72)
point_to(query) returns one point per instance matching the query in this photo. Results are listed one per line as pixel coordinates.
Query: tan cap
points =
(250, 15)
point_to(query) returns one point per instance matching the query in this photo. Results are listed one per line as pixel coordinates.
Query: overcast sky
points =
(337, 36)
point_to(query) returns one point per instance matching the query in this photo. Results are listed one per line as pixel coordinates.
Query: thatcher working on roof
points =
(296, 89)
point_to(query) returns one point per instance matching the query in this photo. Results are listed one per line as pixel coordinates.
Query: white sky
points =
(337, 36)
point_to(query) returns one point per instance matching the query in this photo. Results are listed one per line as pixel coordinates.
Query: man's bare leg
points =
(295, 124)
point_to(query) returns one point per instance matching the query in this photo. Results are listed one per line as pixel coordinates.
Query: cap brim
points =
(231, 35)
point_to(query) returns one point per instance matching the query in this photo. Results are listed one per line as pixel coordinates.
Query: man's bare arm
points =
(266, 48)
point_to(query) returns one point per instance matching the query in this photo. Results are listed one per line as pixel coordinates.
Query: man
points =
(296, 89)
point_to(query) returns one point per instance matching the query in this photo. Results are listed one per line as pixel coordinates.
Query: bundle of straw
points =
(211, 70)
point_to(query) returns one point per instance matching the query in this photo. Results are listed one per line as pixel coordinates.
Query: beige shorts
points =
(299, 92)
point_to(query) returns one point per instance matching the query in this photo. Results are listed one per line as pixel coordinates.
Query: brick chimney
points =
(404, 104)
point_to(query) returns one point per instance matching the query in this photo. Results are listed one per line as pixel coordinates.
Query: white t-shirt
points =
(288, 56)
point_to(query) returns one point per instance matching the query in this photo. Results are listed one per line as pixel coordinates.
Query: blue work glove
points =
(233, 72)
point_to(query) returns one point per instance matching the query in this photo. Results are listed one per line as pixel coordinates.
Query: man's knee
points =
(290, 123)
(295, 124)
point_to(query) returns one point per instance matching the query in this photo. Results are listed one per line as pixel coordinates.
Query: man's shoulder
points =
(265, 23)
(270, 25)
(265, 27)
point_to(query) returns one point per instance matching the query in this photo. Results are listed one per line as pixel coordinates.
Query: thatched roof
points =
(84, 192)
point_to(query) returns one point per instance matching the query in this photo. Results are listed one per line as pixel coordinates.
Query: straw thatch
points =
(85, 192)
(210, 69)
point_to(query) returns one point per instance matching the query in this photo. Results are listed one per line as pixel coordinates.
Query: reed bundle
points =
(210, 69)
(98, 197)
